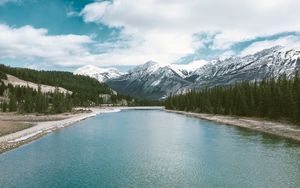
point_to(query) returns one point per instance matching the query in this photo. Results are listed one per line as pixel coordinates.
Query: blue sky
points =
(67, 34)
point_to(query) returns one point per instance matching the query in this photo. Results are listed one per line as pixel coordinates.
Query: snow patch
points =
(155, 83)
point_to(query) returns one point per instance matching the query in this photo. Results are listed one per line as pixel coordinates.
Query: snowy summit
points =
(101, 74)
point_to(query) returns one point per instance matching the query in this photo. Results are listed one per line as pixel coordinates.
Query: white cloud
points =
(164, 30)
(239, 17)
(95, 11)
(34, 44)
(224, 40)
(291, 42)
(157, 30)
(71, 13)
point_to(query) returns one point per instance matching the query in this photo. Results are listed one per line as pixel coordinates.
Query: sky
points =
(67, 34)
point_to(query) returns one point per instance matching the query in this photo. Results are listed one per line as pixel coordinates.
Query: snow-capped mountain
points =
(185, 70)
(101, 74)
(156, 81)
(268, 63)
(151, 80)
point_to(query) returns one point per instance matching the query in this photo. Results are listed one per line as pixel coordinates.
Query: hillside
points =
(83, 88)
(27, 91)
(14, 81)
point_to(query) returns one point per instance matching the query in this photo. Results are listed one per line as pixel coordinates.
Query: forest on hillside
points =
(27, 100)
(277, 99)
(85, 92)
(85, 89)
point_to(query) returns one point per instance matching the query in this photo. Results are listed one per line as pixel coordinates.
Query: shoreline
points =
(16, 139)
(270, 127)
(42, 128)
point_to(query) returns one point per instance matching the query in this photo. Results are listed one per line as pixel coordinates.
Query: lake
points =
(152, 148)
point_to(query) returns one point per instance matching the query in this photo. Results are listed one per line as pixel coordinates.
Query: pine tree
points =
(28, 101)
(41, 103)
(12, 107)
(4, 106)
(296, 92)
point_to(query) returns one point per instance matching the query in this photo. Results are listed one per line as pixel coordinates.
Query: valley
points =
(162, 94)
(148, 84)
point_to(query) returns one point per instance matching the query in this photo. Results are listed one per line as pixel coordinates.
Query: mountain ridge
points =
(153, 80)
(101, 74)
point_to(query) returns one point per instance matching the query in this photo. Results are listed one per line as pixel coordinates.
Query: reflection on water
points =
(152, 148)
(267, 139)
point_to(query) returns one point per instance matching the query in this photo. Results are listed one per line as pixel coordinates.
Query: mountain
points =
(185, 70)
(267, 63)
(155, 81)
(101, 74)
(151, 80)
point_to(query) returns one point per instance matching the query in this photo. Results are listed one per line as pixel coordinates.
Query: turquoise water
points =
(152, 148)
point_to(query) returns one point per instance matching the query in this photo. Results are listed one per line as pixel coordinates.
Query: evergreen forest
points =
(277, 99)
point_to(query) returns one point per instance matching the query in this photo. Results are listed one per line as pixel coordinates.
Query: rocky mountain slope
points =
(271, 62)
(150, 80)
(156, 81)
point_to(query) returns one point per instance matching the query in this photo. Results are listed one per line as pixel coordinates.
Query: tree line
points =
(85, 90)
(271, 98)
(27, 100)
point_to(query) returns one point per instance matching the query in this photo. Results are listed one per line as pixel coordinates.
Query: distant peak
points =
(270, 50)
(260, 52)
(190, 66)
(151, 63)
(101, 74)
(148, 66)
(88, 67)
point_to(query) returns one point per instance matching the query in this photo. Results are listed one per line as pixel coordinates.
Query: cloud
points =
(165, 30)
(34, 44)
(291, 42)
(71, 13)
(232, 18)
(94, 12)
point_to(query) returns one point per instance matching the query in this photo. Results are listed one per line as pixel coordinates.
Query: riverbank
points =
(11, 122)
(39, 126)
(276, 128)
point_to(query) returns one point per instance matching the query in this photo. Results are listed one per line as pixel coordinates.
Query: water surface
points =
(152, 148)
